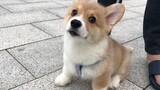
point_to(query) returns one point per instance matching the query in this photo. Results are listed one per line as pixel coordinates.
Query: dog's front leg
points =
(64, 78)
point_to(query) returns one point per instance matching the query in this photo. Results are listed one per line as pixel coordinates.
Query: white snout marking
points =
(82, 31)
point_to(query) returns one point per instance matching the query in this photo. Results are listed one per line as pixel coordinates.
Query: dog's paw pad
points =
(62, 80)
(115, 81)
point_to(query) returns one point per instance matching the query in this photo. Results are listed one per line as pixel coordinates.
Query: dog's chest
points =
(83, 54)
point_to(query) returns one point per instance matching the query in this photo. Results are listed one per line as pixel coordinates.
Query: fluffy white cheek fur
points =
(82, 31)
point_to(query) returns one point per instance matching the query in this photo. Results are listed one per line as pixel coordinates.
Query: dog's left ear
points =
(114, 13)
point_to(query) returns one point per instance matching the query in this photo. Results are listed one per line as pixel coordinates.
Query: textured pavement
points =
(31, 45)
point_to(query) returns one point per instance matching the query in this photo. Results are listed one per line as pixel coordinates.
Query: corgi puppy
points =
(89, 52)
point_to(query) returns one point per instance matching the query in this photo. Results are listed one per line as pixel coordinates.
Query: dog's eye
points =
(74, 12)
(92, 19)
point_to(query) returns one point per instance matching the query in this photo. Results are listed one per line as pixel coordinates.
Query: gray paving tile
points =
(135, 2)
(11, 72)
(149, 88)
(64, 2)
(139, 19)
(126, 85)
(129, 15)
(139, 9)
(60, 11)
(127, 30)
(19, 35)
(47, 83)
(10, 1)
(37, 0)
(3, 11)
(54, 28)
(24, 17)
(138, 73)
(40, 58)
(31, 6)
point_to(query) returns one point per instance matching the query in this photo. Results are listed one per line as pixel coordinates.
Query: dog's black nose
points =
(76, 24)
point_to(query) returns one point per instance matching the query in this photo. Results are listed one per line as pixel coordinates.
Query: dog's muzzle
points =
(75, 25)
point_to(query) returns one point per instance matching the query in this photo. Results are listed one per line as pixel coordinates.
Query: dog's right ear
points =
(114, 13)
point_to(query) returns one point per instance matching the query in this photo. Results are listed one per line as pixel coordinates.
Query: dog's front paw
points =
(62, 80)
(115, 82)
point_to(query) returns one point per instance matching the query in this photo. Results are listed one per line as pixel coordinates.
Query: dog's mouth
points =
(73, 32)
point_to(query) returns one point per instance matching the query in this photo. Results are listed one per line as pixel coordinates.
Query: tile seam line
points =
(6, 9)
(13, 3)
(58, 8)
(139, 20)
(46, 20)
(134, 18)
(28, 3)
(36, 78)
(21, 64)
(135, 12)
(41, 30)
(53, 13)
(29, 23)
(134, 84)
(40, 9)
(146, 87)
(132, 40)
(31, 43)
(59, 3)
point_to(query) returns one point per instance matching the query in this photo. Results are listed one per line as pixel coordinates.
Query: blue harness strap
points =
(79, 69)
(80, 66)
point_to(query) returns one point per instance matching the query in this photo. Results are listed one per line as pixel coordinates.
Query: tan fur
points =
(101, 81)
(116, 59)
(116, 62)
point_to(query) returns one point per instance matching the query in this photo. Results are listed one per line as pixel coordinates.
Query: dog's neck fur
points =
(83, 52)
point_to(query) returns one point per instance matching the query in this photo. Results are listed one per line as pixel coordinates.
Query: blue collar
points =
(80, 66)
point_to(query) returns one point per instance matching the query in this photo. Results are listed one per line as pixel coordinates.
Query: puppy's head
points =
(88, 20)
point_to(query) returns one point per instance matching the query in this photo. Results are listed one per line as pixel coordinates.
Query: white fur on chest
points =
(80, 51)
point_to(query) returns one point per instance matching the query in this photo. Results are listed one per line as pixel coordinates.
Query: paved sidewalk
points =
(31, 33)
